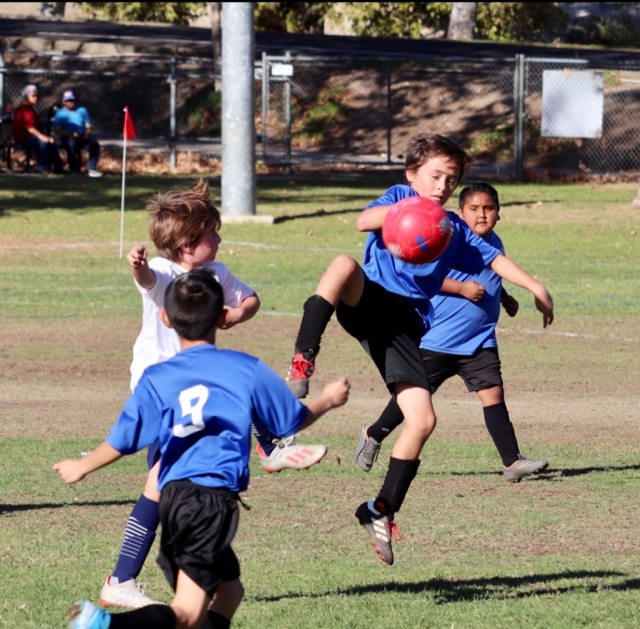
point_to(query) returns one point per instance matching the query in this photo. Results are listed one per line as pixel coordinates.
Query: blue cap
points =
(68, 95)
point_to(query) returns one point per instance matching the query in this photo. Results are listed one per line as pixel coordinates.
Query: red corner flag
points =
(128, 132)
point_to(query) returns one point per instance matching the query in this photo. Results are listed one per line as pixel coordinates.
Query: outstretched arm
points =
(140, 269)
(510, 271)
(335, 394)
(74, 470)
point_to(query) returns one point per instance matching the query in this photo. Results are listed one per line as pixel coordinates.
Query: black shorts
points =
(389, 329)
(479, 372)
(198, 525)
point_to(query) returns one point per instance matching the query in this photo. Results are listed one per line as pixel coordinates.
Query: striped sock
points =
(138, 539)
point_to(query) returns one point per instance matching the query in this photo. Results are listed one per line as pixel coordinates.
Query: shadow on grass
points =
(550, 474)
(60, 505)
(292, 217)
(497, 588)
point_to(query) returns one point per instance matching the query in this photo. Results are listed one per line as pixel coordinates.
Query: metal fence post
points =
(389, 114)
(172, 116)
(1, 83)
(287, 116)
(265, 103)
(519, 114)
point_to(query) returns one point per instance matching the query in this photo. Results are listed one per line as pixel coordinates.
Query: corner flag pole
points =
(128, 133)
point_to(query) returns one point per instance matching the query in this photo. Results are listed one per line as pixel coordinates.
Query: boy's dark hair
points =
(194, 302)
(478, 186)
(424, 146)
(180, 217)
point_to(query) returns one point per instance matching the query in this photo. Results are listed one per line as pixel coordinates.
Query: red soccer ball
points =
(416, 230)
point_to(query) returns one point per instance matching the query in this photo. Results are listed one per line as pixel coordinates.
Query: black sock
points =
(152, 616)
(317, 312)
(500, 428)
(388, 421)
(396, 484)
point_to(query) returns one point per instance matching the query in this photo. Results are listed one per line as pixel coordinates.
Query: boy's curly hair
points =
(180, 217)
(424, 146)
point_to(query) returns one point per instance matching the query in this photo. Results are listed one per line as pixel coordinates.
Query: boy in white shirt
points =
(184, 228)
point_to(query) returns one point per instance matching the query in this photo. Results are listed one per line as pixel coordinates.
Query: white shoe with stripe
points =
(288, 455)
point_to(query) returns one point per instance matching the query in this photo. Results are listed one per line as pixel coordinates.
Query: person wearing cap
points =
(28, 132)
(73, 125)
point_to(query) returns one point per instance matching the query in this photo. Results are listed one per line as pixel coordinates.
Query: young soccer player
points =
(385, 305)
(462, 341)
(184, 226)
(199, 404)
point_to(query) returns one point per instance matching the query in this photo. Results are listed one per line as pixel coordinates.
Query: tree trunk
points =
(462, 20)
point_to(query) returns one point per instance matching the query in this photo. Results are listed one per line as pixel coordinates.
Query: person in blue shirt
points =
(462, 341)
(200, 405)
(385, 305)
(73, 126)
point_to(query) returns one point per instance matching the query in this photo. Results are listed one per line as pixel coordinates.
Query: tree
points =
(462, 22)
(178, 13)
(291, 17)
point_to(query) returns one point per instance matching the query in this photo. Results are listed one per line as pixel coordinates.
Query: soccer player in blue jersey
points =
(184, 227)
(385, 304)
(200, 405)
(462, 341)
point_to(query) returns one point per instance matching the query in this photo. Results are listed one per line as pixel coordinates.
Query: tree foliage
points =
(179, 13)
(291, 17)
(497, 21)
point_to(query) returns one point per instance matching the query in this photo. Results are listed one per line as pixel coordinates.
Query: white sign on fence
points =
(572, 104)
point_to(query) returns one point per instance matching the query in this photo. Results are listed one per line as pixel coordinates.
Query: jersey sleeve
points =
(275, 405)
(393, 195)
(139, 422)
(84, 113)
(473, 253)
(163, 279)
(235, 291)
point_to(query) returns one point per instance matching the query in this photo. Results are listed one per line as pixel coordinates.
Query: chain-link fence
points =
(318, 109)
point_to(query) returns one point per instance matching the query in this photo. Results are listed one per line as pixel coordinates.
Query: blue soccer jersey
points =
(466, 252)
(200, 405)
(460, 325)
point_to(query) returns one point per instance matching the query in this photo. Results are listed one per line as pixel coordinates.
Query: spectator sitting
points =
(74, 128)
(28, 132)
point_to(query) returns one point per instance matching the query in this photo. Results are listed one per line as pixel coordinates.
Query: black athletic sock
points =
(317, 312)
(151, 616)
(396, 484)
(388, 421)
(501, 429)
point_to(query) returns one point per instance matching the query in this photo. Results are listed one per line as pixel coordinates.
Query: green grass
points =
(554, 552)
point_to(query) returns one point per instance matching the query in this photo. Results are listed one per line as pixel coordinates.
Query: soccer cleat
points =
(367, 449)
(379, 528)
(128, 594)
(85, 615)
(300, 371)
(394, 531)
(288, 455)
(522, 468)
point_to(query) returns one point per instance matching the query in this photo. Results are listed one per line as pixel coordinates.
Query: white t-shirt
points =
(156, 342)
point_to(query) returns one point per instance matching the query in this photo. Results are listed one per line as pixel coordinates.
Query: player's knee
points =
(343, 267)
(187, 618)
(232, 593)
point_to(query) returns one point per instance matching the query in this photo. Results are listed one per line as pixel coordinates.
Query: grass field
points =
(560, 550)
